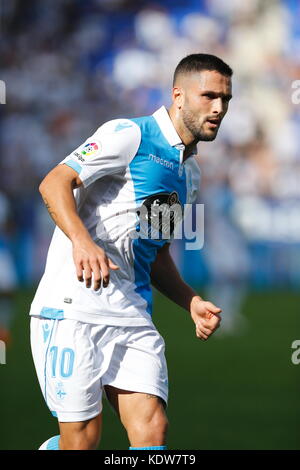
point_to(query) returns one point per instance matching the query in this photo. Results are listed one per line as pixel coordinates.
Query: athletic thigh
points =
(142, 414)
(134, 405)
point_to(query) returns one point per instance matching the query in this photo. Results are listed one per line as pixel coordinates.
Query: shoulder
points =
(119, 128)
(120, 136)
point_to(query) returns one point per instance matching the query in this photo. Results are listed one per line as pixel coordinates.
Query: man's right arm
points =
(57, 192)
(108, 151)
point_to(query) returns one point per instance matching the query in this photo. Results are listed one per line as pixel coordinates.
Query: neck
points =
(185, 135)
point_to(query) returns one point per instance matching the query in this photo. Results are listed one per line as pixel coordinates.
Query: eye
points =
(210, 96)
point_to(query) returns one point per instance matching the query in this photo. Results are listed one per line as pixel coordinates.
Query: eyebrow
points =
(217, 95)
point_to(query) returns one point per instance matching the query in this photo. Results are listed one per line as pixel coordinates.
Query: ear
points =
(178, 96)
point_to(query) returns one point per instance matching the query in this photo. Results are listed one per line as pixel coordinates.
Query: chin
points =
(208, 137)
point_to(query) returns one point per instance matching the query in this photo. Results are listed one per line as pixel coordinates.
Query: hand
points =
(206, 317)
(91, 259)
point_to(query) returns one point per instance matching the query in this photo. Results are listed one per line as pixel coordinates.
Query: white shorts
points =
(74, 361)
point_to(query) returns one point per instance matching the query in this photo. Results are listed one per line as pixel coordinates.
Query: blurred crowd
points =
(70, 65)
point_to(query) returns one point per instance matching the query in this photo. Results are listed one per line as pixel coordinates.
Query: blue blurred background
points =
(70, 65)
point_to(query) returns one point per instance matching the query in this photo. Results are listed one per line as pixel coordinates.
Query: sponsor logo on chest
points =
(161, 161)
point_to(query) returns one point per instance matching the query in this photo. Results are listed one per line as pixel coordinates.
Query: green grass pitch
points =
(228, 393)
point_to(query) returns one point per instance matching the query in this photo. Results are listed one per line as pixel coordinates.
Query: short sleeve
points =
(108, 151)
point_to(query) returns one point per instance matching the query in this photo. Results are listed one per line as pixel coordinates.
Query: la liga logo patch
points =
(91, 148)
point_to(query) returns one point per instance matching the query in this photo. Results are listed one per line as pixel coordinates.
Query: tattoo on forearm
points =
(51, 212)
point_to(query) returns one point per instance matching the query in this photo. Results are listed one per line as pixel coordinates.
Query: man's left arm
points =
(166, 278)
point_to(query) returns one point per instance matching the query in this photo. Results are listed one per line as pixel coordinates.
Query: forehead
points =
(209, 80)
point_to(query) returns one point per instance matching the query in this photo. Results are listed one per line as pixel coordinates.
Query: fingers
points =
(79, 271)
(87, 274)
(204, 329)
(213, 321)
(105, 272)
(212, 308)
(96, 270)
(207, 318)
(201, 335)
(106, 265)
(111, 265)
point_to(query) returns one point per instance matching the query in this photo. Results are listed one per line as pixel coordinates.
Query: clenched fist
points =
(206, 317)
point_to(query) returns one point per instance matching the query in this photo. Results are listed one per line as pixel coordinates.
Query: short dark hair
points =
(200, 62)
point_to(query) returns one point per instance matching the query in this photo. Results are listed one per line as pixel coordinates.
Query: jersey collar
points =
(167, 127)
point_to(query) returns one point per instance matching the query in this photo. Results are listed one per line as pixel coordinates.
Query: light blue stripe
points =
(148, 179)
(149, 448)
(144, 255)
(45, 369)
(53, 443)
(54, 414)
(74, 165)
(52, 313)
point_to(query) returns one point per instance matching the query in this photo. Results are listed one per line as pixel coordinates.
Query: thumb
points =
(212, 308)
(111, 265)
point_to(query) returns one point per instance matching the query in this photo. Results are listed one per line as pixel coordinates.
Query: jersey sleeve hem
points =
(74, 165)
(85, 175)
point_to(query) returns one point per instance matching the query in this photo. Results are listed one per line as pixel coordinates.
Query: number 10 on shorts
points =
(64, 360)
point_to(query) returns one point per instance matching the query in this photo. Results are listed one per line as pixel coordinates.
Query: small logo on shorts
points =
(67, 300)
(60, 391)
(46, 331)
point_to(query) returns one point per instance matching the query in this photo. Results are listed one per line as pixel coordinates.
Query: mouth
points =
(214, 123)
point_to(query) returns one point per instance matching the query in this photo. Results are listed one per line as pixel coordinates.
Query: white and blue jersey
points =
(126, 167)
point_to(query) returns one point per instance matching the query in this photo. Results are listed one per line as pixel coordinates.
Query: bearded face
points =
(204, 103)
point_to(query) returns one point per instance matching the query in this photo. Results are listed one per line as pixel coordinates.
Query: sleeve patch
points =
(88, 150)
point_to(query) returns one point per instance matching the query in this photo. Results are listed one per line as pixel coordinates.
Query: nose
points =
(217, 106)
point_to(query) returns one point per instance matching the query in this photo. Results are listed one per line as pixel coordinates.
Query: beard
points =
(192, 124)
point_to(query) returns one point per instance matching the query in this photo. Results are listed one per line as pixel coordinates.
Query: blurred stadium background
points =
(70, 65)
